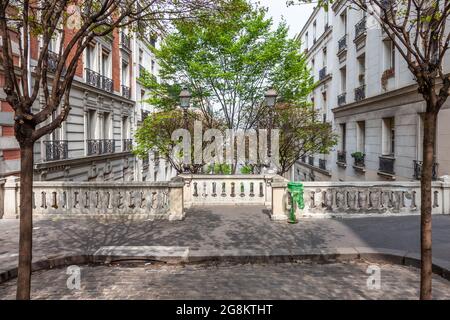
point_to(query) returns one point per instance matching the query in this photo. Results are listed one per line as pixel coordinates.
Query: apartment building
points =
(370, 97)
(95, 142)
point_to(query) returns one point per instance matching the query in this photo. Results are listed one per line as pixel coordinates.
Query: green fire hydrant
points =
(295, 189)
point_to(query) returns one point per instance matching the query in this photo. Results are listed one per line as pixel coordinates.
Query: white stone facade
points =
(381, 118)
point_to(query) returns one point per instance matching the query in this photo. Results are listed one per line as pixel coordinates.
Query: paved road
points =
(250, 281)
(222, 228)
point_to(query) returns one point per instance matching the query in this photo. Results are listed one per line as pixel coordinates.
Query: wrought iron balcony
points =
(387, 165)
(323, 73)
(97, 80)
(126, 93)
(127, 145)
(101, 146)
(56, 150)
(125, 41)
(418, 170)
(360, 162)
(342, 156)
(342, 44)
(341, 99)
(360, 27)
(323, 164)
(360, 93)
(311, 160)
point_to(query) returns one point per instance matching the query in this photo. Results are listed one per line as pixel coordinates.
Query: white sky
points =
(295, 16)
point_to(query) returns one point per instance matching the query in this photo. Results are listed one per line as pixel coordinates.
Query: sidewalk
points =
(226, 230)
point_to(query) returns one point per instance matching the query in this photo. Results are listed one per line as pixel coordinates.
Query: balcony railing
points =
(418, 170)
(127, 145)
(311, 160)
(97, 80)
(360, 27)
(56, 150)
(341, 99)
(126, 93)
(101, 146)
(323, 164)
(387, 165)
(125, 40)
(342, 156)
(322, 73)
(342, 44)
(360, 93)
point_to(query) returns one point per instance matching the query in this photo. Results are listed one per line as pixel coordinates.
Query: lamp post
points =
(185, 99)
(270, 99)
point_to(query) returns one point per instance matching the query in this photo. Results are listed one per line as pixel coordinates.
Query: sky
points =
(295, 16)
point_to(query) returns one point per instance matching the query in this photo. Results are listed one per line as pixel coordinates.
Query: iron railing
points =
(322, 73)
(360, 162)
(127, 145)
(101, 146)
(341, 99)
(97, 80)
(418, 170)
(342, 44)
(342, 156)
(360, 27)
(323, 164)
(360, 93)
(56, 150)
(126, 93)
(386, 164)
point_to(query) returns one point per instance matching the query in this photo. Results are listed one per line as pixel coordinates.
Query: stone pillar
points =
(279, 192)
(176, 206)
(11, 197)
(445, 194)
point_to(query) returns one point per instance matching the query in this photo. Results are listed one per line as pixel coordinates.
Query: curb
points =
(107, 255)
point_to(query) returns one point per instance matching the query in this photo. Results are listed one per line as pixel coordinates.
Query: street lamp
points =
(185, 99)
(271, 99)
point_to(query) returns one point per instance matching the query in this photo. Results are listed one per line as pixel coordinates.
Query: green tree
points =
(228, 60)
(419, 31)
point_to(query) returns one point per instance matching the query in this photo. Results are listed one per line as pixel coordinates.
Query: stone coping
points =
(187, 255)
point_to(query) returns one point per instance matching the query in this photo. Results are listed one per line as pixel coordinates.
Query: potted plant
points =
(359, 158)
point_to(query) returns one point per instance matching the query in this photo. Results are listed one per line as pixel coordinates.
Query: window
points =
(324, 57)
(306, 40)
(107, 126)
(314, 31)
(344, 21)
(326, 20)
(343, 80)
(105, 63)
(153, 66)
(141, 54)
(389, 55)
(90, 57)
(388, 136)
(360, 136)
(125, 128)
(343, 136)
(125, 73)
(362, 70)
(92, 125)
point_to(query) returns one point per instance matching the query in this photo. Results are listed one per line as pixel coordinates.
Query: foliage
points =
(227, 60)
(358, 155)
(247, 169)
(219, 168)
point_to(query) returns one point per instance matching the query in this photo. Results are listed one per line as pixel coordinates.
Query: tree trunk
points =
(426, 204)
(26, 222)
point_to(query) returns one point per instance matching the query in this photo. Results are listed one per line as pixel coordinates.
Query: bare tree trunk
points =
(426, 204)
(26, 222)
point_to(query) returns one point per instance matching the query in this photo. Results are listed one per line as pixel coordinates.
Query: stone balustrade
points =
(169, 200)
(149, 199)
(227, 189)
(327, 199)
